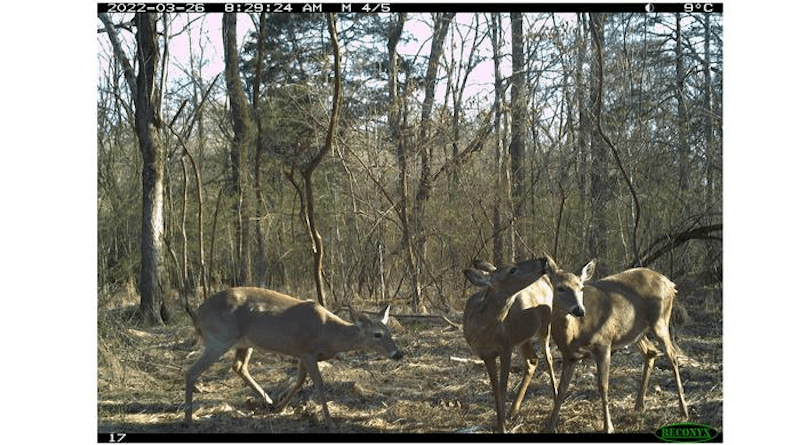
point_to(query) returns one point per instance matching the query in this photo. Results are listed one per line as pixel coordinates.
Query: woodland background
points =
(368, 158)
(593, 135)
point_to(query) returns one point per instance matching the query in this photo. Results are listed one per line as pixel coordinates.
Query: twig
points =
(471, 361)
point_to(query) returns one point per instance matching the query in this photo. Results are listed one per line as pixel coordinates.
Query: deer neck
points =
(485, 321)
(566, 328)
(344, 336)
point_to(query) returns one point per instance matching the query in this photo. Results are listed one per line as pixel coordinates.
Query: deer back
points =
(270, 321)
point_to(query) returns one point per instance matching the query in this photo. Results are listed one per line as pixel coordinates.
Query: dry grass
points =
(141, 375)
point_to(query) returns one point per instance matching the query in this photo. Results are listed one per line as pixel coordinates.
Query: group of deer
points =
(516, 305)
(536, 298)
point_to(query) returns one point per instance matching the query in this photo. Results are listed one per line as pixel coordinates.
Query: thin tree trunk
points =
(709, 132)
(518, 123)
(318, 247)
(598, 41)
(709, 120)
(424, 187)
(261, 255)
(683, 144)
(498, 160)
(242, 141)
(395, 107)
(599, 187)
(584, 127)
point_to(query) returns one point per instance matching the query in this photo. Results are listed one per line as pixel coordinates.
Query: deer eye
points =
(561, 289)
(378, 335)
(513, 270)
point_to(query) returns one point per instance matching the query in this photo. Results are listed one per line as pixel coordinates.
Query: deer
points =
(512, 308)
(593, 318)
(248, 317)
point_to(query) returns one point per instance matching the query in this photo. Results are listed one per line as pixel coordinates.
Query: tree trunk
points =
(709, 119)
(498, 160)
(584, 127)
(683, 144)
(599, 186)
(147, 122)
(441, 26)
(319, 250)
(394, 32)
(261, 255)
(243, 130)
(307, 189)
(518, 123)
(710, 186)
(147, 128)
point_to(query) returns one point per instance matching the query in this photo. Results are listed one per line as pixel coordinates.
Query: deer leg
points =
(567, 370)
(548, 357)
(649, 353)
(319, 388)
(240, 367)
(530, 360)
(211, 353)
(505, 369)
(301, 378)
(491, 369)
(603, 359)
(662, 333)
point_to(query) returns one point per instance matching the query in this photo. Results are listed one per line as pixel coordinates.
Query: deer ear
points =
(385, 316)
(588, 270)
(484, 265)
(478, 277)
(551, 263)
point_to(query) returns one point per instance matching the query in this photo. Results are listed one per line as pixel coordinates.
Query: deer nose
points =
(578, 311)
(396, 355)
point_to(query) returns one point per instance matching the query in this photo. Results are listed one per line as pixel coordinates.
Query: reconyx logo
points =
(686, 433)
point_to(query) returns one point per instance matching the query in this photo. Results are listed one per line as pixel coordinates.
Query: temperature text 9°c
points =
(698, 7)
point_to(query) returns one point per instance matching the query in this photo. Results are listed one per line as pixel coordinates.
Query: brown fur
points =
(594, 318)
(247, 317)
(512, 309)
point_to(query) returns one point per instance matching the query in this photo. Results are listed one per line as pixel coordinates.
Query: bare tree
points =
(306, 167)
(261, 256)
(386, 220)
(683, 143)
(395, 107)
(518, 122)
(243, 137)
(708, 134)
(598, 187)
(316, 238)
(597, 38)
(497, 226)
(440, 28)
(147, 100)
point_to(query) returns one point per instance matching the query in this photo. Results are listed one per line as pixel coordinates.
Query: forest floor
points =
(141, 372)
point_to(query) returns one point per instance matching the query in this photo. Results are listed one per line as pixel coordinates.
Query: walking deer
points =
(512, 309)
(594, 318)
(247, 317)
